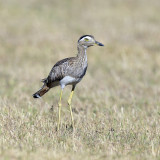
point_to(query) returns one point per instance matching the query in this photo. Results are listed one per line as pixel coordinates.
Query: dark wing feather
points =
(57, 72)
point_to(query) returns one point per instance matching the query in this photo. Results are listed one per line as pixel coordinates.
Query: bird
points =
(68, 71)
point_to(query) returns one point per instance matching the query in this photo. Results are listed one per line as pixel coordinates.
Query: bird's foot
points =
(69, 102)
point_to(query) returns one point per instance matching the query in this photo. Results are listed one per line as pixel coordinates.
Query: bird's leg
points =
(69, 104)
(59, 108)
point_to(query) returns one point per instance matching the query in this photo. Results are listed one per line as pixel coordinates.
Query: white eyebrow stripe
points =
(86, 37)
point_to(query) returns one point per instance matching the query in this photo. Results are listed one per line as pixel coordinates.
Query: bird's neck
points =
(82, 55)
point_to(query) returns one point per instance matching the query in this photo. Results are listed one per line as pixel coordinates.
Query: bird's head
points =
(88, 41)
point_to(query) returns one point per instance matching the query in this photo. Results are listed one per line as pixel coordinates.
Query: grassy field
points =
(116, 106)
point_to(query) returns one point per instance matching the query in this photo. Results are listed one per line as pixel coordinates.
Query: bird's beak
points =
(98, 43)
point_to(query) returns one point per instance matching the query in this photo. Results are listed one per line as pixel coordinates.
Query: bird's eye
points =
(86, 39)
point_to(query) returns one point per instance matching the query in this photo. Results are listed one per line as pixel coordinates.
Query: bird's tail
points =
(41, 92)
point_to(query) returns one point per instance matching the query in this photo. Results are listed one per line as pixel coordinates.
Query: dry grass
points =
(116, 106)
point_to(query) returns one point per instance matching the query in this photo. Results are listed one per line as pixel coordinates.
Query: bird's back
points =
(72, 67)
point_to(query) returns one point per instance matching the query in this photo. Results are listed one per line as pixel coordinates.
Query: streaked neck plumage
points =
(82, 55)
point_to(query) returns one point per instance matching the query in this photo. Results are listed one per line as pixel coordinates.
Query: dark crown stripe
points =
(85, 36)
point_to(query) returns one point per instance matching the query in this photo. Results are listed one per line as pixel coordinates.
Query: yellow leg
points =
(59, 108)
(69, 104)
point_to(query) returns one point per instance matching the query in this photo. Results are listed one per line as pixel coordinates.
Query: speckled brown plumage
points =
(68, 71)
(74, 68)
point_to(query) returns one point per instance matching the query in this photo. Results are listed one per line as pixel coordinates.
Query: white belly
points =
(68, 80)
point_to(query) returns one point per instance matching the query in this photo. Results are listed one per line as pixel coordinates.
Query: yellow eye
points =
(86, 39)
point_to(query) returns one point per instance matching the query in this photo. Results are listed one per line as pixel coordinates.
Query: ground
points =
(116, 106)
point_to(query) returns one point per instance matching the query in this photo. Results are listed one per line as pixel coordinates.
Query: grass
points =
(116, 106)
